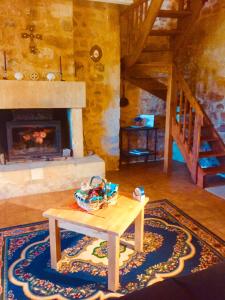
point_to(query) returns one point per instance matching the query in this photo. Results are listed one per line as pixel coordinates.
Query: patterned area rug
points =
(174, 245)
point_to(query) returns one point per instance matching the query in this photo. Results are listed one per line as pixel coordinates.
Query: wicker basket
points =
(96, 194)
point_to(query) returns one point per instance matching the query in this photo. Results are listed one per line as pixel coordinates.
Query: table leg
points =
(113, 262)
(55, 244)
(139, 231)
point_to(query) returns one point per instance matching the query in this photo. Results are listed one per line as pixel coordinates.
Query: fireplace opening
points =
(33, 139)
(33, 134)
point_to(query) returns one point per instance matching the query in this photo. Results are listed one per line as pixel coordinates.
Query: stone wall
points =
(204, 62)
(142, 102)
(53, 19)
(98, 24)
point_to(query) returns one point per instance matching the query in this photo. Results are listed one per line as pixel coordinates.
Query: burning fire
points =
(37, 137)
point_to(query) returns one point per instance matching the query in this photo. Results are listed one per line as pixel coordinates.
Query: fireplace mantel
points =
(42, 94)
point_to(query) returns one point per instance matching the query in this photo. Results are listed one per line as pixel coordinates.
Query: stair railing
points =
(131, 21)
(187, 125)
(136, 23)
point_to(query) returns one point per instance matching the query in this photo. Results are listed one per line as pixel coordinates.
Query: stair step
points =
(150, 85)
(210, 126)
(214, 170)
(208, 139)
(173, 13)
(158, 43)
(150, 50)
(207, 130)
(211, 154)
(162, 32)
(150, 57)
(149, 70)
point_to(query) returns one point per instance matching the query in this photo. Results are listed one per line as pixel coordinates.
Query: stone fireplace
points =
(38, 120)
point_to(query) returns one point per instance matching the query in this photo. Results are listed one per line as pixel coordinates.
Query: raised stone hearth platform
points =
(46, 176)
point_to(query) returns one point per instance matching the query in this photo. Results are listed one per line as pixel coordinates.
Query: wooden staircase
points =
(149, 61)
(192, 129)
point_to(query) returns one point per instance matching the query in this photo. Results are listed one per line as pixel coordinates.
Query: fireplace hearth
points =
(33, 139)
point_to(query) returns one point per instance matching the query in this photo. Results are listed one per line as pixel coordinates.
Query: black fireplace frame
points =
(29, 124)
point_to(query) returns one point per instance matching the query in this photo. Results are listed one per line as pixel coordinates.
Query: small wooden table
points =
(107, 224)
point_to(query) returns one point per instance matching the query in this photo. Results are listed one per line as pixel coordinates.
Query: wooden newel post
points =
(170, 114)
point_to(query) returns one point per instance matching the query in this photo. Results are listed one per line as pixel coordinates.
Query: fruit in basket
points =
(98, 191)
(96, 194)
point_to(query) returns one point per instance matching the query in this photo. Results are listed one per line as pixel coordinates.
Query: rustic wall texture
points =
(204, 62)
(98, 24)
(69, 29)
(142, 102)
(54, 20)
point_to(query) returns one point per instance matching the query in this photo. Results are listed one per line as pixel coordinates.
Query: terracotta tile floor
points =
(206, 208)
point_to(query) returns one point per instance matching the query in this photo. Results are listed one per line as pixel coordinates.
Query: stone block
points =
(43, 177)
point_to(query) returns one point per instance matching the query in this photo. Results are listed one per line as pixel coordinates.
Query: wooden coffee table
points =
(107, 224)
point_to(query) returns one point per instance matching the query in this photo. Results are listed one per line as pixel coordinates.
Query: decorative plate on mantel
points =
(96, 53)
(34, 76)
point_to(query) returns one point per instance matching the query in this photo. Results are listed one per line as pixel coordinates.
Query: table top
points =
(114, 219)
